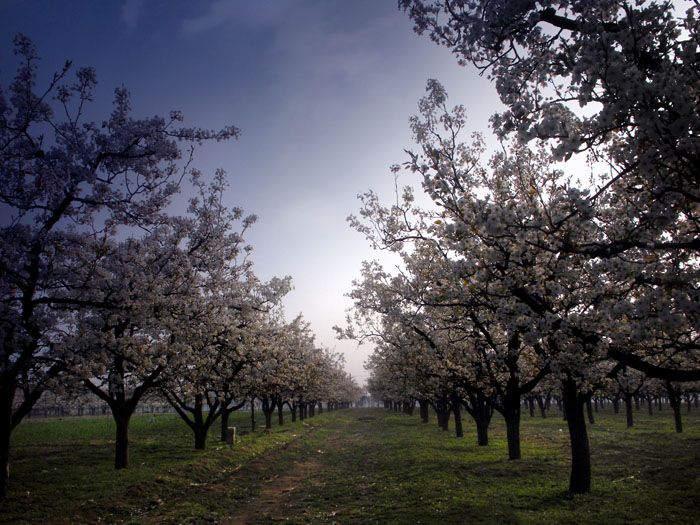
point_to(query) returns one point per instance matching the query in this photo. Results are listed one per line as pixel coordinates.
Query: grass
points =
(353, 466)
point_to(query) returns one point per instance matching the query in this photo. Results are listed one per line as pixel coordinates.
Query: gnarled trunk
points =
(580, 479)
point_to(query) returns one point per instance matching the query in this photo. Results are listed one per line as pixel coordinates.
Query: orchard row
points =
(102, 290)
(568, 261)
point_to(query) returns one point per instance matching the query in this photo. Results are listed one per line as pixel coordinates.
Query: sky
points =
(322, 91)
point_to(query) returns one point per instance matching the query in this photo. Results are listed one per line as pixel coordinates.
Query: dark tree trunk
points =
(456, 402)
(650, 405)
(121, 449)
(442, 409)
(5, 433)
(482, 431)
(252, 415)
(10, 417)
(268, 408)
(312, 409)
(628, 411)
(511, 413)
(224, 424)
(580, 479)
(409, 407)
(424, 410)
(589, 409)
(616, 405)
(674, 399)
(481, 411)
(293, 410)
(531, 405)
(280, 413)
(225, 413)
(512, 417)
(200, 437)
(541, 404)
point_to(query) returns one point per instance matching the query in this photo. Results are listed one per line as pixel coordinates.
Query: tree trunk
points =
(482, 431)
(268, 408)
(512, 417)
(541, 404)
(456, 402)
(650, 405)
(252, 415)
(224, 424)
(531, 405)
(580, 479)
(589, 409)
(280, 413)
(628, 411)
(443, 411)
(121, 450)
(411, 407)
(200, 437)
(674, 399)
(5, 433)
(424, 410)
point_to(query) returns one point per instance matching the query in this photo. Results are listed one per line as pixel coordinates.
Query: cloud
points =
(224, 12)
(131, 13)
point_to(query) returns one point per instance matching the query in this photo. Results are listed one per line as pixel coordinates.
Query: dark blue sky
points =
(321, 89)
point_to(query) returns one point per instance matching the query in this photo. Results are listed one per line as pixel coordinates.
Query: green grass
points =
(354, 466)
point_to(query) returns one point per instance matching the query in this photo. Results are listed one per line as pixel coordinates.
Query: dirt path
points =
(282, 495)
(276, 501)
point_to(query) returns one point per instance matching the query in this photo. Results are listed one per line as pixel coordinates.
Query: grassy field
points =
(353, 466)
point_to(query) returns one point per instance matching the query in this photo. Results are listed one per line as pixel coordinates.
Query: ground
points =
(355, 466)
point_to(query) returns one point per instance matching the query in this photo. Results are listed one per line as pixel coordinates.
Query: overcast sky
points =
(321, 89)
